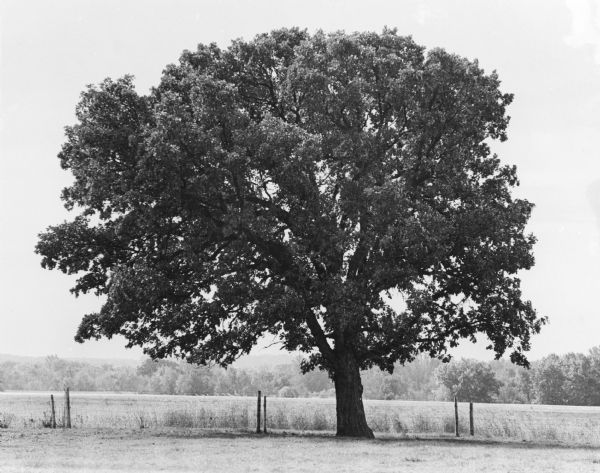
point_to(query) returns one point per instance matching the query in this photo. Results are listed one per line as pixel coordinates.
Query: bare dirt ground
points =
(194, 450)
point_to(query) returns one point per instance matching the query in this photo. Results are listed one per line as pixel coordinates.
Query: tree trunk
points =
(351, 420)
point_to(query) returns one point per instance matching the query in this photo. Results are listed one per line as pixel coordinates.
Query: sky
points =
(546, 52)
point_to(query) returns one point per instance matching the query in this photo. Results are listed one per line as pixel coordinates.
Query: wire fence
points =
(535, 423)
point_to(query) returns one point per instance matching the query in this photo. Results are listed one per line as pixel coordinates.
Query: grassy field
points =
(146, 433)
(533, 423)
(201, 450)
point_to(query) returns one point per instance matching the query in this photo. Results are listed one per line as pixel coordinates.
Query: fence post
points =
(258, 413)
(264, 414)
(52, 412)
(456, 416)
(471, 426)
(68, 408)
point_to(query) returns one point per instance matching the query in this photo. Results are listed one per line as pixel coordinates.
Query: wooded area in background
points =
(572, 379)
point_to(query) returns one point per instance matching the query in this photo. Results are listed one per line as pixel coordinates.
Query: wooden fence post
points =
(258, 413)
(52, 412)
(471, 426)
(456, 416)
(264, 414)
(67, 409)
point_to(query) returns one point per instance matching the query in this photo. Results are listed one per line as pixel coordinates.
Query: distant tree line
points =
(572, 379)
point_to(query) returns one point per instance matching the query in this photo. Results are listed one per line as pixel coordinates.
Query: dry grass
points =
(559, 424)
(187, 450)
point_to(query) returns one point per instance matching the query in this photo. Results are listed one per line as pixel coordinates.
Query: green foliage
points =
(287, 391)
(550, 381)
(149, 367)
(570, 379)
(577, 371)
(414, 381)
(468, 380)
(594, 376)
(284, 185)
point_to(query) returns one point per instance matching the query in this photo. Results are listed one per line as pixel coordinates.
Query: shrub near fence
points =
(570, 424)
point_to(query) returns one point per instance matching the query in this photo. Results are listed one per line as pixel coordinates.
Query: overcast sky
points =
(546, 52)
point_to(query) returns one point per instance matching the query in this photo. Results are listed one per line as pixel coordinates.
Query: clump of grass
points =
(549, 433)
(320, 421)
(500, 427)
(422, 424)
(46, 421)
(244, 418)
(142, 418)
(178, 419)
(202, 418)
(397, 426)
(300, 421)
(511, 428)
(380, 423)
(279, 420)
(6, 419)
(448, 424)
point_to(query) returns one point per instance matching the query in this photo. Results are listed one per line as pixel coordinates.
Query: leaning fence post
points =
(52, 412)
(471, 426)
(258, 413)
(68, 408)
(265, 414)
(456, 416)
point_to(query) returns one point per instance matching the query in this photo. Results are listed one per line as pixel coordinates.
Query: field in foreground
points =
(533, 423)
(183, 450)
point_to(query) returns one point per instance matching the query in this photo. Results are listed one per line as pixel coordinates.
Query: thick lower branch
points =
(320, 339)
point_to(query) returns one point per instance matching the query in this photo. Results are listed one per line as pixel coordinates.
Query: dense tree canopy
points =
(289, 185)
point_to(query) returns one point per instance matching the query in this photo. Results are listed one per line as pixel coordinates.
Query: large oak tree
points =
(290, 185)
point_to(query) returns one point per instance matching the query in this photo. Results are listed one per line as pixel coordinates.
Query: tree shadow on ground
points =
(382, 439)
